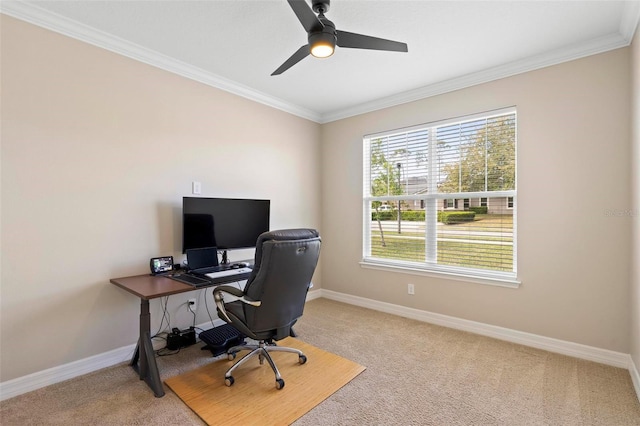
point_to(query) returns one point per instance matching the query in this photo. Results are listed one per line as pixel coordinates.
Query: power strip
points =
(181, 338)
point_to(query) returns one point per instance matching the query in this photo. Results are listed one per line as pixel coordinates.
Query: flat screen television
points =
(225, 223)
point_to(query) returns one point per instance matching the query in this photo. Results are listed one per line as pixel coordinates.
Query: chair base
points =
(261, 350)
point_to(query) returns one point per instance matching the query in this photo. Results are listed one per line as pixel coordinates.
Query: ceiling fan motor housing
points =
(320, 6)
(325, 35)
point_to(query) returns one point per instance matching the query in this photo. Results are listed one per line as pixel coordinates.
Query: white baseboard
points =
(603, 356)
(47, 377)
(53, 375)
(314, 294)
(635, 376)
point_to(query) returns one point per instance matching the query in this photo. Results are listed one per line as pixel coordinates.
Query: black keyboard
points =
(191, 280)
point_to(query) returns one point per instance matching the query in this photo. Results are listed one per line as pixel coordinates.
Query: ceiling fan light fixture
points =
(321, 50)
(322, 44)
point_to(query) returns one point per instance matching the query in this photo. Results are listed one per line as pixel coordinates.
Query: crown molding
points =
(54, 22)
(43, 18)
(601, 45)
(628, 25)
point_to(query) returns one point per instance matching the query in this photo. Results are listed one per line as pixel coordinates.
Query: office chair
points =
(274, 296)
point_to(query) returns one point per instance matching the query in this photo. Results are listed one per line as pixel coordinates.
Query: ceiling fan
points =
(323, 36)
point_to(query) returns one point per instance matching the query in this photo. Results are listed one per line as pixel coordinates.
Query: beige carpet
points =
(253, 399)
(417, 374)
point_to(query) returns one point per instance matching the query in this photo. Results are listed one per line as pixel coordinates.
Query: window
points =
(424, 171)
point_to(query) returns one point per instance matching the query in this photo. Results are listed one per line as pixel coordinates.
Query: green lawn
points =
(480, 252)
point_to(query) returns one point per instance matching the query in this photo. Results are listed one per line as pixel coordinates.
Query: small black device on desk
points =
(161, 265)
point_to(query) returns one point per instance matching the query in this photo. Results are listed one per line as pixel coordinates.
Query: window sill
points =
(487, 279)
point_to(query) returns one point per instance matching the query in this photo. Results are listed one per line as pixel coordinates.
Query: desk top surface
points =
(152, 286)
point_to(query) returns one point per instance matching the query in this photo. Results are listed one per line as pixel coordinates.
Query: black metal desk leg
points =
(136, 355)
(144, 360)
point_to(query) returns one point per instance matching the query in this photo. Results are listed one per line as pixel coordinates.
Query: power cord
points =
(165, 317)
(166, 352)
(189, 305)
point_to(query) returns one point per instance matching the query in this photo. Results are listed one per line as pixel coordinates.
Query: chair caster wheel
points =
(231, 356)
(302, 359)
(229, 381)
(279, 384)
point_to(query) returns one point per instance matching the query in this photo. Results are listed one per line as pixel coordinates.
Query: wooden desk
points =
(148, 287)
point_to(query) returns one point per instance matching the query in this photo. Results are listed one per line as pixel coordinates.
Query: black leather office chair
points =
(274, 296)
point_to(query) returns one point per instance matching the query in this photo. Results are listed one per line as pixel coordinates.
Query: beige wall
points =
(573, 144)
(635, 159)
(97, 152)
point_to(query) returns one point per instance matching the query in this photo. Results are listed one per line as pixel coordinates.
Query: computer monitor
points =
(225, 223)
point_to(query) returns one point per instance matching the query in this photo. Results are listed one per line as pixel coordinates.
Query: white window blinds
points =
(442, 196)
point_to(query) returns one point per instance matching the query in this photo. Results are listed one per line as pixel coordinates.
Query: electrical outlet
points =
(191, 304)
(411, 289)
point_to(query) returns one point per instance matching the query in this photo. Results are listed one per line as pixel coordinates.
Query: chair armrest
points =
(234, 291)
(218, 297)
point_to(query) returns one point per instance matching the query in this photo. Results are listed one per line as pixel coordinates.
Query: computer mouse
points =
(235, 266)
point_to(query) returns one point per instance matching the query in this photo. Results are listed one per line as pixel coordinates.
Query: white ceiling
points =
(236, 44)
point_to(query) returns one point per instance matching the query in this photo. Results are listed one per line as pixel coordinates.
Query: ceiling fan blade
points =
(300, 54)
(305, 15)
(359, 41)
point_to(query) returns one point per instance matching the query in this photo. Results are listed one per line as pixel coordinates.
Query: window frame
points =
(492, 277)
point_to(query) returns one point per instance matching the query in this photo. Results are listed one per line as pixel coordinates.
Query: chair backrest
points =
(285, 261)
